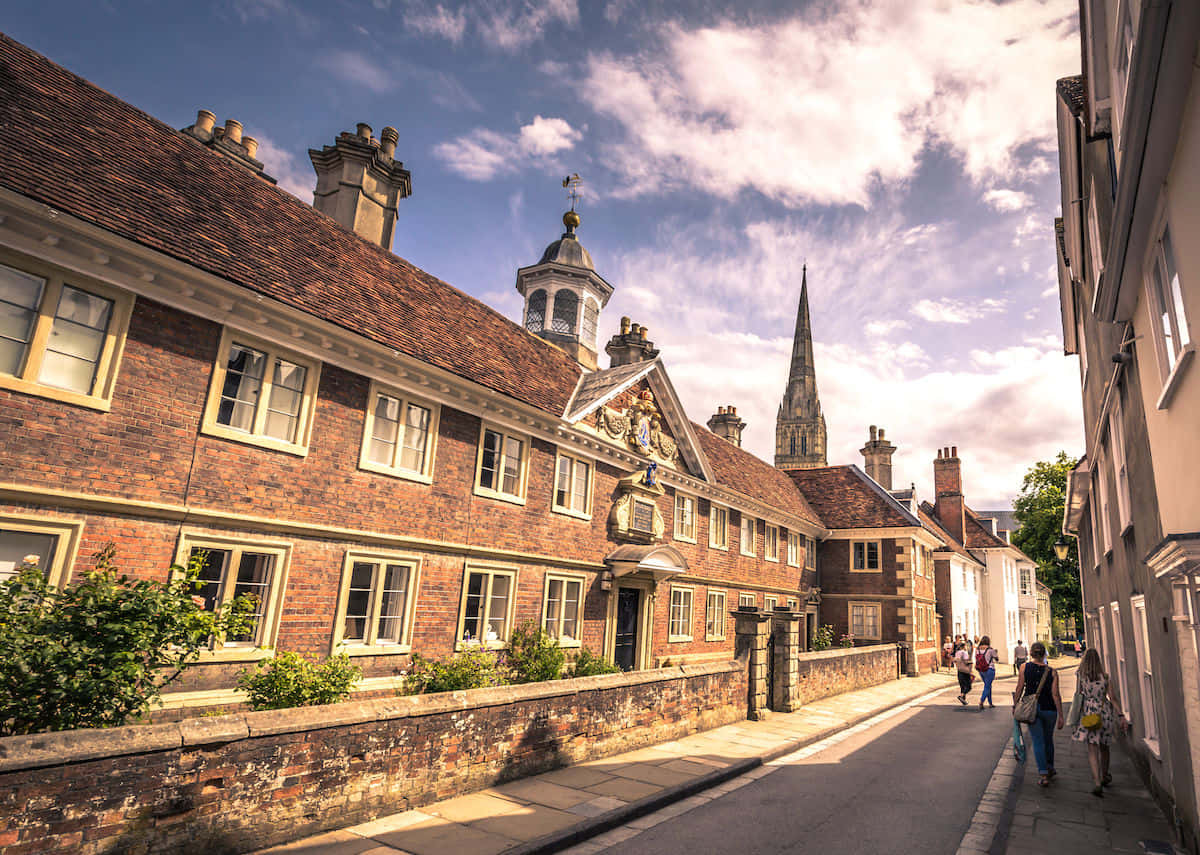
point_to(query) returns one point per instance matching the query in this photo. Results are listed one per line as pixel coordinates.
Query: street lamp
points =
(1061, 548)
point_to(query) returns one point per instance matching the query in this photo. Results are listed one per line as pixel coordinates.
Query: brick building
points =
(193, 360)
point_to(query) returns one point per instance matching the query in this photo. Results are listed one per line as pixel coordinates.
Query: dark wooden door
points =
(625, 654)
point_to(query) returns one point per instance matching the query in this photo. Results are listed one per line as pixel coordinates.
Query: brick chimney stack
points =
(228, 142)
(630, 345)
(877, 458)
(947, 485)
(727, 425)
(359, 183)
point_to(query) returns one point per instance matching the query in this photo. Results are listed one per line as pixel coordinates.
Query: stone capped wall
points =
(236, 783)
(823, 673)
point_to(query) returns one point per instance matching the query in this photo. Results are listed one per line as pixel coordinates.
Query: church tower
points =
(800, 427)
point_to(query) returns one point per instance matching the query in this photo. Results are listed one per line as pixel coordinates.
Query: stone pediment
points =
(636, 407)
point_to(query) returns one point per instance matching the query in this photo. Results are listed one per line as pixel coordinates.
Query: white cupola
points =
(564, 295)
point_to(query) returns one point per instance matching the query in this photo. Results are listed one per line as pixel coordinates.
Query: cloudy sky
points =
(905, 150)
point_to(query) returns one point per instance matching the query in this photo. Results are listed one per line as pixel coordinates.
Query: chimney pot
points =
(642, 333)
(881, 434)
(872, 433)
(954, 451)
(364, 131)
(720, 411)
(733, 411)
(625, 325)
(388, 137)
(205, 120)
(233, 130)
(251, 145)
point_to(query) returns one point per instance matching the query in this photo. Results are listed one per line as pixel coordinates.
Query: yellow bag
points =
(1091, 721)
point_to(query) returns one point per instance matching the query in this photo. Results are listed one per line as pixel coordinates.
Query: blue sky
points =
(904, 150)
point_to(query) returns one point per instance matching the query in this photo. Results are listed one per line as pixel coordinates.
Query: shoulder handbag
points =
(1076, 709)
(1026, 709)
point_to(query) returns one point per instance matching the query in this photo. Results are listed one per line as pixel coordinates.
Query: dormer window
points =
(535, 312)
(566, 312)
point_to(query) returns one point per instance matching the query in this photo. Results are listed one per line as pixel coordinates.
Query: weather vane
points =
(573, 182)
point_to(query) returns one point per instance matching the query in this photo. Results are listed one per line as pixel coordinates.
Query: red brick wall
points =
(240, 782)
(149, 448)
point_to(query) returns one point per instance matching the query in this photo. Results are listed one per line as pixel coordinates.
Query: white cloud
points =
(827, 107)
(882, 328)
(506, 25)
(436, 20)
(952, 311)
(294, 174)
(483, 154)
(353, 67)
(1007, 200)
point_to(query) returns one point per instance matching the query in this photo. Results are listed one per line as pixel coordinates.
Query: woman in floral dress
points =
(1096, 698)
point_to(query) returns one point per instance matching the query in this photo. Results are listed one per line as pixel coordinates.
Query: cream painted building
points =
(1129, 285)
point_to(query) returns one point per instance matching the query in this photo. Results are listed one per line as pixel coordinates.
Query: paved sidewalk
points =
(1066, 819)
(548, 812)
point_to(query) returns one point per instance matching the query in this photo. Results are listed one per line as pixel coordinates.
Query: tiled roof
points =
(1073, 91)
(844, 497)
(69, 144)
(600, 385)
(979, 536)
(925, 512)
(742, 471)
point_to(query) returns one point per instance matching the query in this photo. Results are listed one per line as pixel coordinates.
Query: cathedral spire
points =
(800, 427)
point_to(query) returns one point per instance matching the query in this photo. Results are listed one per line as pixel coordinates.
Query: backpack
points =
(982, 663)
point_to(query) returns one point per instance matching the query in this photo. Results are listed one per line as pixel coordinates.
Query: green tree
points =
(1039, 511)
(293, 680)
(96, 652)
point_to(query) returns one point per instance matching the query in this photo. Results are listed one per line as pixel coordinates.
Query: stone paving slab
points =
(585, 804)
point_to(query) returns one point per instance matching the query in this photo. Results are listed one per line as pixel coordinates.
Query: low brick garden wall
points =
(823, 673)
(234, 783)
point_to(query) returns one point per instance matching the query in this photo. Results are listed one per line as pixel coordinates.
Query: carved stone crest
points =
(640, 426)
(635, 515)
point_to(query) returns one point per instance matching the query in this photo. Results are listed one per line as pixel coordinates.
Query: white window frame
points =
(681, 615)
(1102, 499)
(810, 553)
(517, 498)
(876, 607)
(793, 604)
(1116, 441)
(1141, 637)
(370, 645)
(714, 621)
(53, 280)
(566, 580)
(748, 524)
(255, 436)
(1026, 584)
(1119, 655)
(771, 543)
(69, 533)
(272, 607)
(490, 572)
(866, 556)
(425, 474)
(589, 470)
(793, 549)
(770, 603)
(745, 599)
(685, 510)
(718, 527)
(1166, 305)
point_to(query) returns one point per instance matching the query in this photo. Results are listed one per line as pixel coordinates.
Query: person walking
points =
(962, 664)
(1020, 654)
(1041, 731)
(948, 653)
(1097, 717)
(985, 664)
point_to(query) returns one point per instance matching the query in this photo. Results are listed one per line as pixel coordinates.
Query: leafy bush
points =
(471, 669)
(533, 655)
(96, 652)
(822, 637)
(292, 680)
(847, 640)
(588, 664)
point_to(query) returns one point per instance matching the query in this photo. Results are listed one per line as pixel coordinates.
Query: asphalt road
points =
(908, 785)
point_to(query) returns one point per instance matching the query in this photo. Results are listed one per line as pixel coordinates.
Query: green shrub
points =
(471, 669)
(822, 637)
(847, 640)
(588, 664)
(533, 655)
(292, 680)
(96, 652)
